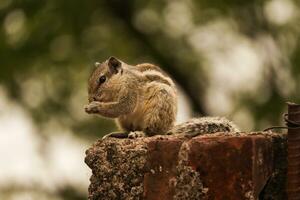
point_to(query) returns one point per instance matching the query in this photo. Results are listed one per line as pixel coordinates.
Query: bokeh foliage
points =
(47, 50)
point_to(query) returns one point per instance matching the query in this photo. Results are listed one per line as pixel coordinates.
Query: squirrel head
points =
(105, 82)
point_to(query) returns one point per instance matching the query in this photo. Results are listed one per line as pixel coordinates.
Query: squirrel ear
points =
(114, 64)
(97, 64)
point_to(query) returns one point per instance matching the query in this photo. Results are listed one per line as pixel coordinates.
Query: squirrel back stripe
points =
(154, 73)
(158, 77)
(147, 66)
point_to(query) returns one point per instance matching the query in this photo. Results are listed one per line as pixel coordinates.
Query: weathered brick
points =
(215, 166)
(232, 167)
(161, 164)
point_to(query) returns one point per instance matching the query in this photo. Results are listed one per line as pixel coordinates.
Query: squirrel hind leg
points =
(136, 134)
(160, 113)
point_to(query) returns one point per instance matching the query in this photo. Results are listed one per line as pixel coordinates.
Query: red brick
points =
(232, 167)
(215, 166)
(161, 165)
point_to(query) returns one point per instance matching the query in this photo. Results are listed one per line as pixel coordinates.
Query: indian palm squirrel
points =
(143, 100)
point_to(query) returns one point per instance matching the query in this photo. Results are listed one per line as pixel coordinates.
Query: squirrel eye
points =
(102, 79)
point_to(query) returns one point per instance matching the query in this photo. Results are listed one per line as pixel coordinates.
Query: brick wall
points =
(213, 166)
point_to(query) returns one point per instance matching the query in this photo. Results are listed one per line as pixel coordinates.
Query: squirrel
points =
(143, 100)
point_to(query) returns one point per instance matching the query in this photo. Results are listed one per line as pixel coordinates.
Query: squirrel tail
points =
(198, 126)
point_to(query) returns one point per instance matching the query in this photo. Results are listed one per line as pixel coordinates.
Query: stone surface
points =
(214, 166)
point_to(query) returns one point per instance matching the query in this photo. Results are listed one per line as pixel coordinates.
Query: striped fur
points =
(143, 99)
(203, 125)
(147, 66)
(154, 73)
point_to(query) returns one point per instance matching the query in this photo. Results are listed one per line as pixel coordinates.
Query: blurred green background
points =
(239, 59)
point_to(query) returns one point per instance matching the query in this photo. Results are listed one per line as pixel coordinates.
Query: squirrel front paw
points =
(92, 107)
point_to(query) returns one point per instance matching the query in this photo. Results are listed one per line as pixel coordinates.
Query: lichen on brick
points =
(118, 169)
(188, 184)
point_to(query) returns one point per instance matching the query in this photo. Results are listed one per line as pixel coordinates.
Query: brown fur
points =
(141, 98)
